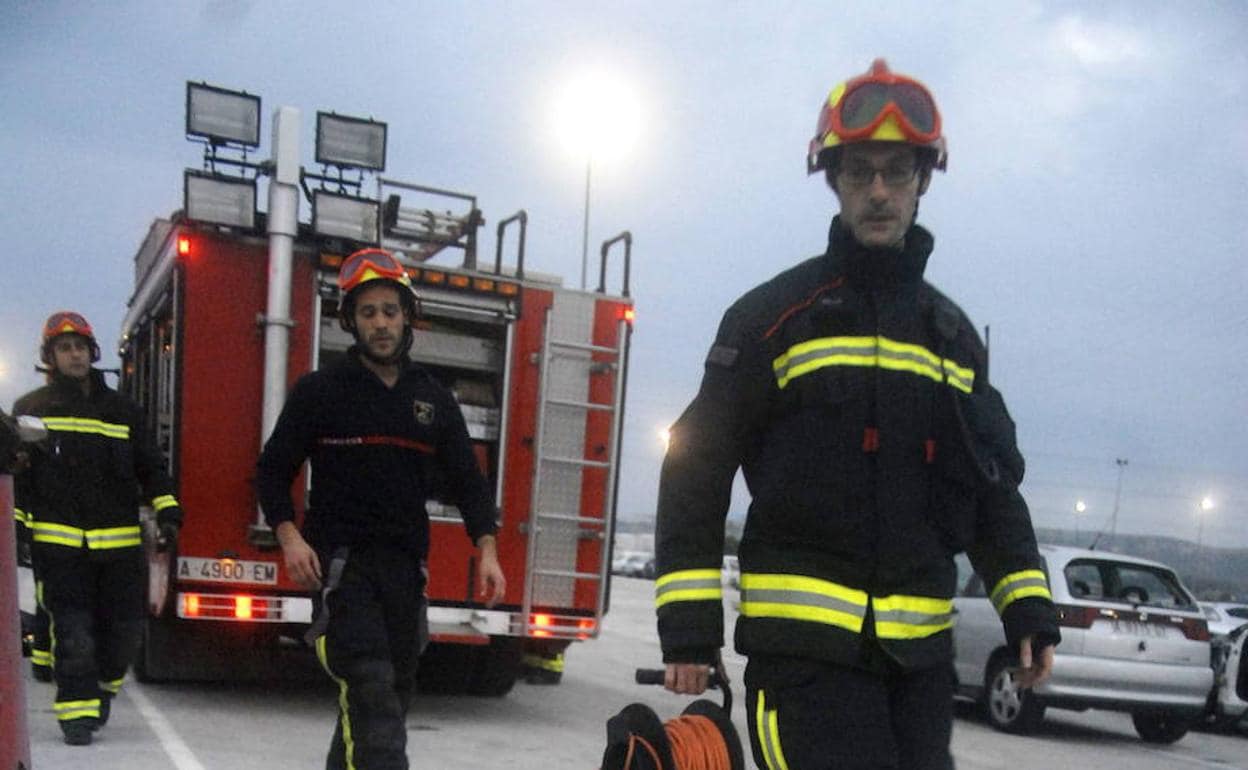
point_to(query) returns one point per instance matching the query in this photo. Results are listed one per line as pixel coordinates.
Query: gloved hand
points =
(167, 536)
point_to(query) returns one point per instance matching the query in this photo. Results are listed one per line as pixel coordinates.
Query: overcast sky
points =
(1093, 212)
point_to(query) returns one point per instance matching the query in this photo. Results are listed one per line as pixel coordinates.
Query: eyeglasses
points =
(863, 175)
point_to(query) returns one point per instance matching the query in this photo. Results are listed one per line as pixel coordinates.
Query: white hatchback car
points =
(1224, 617)
(1133, 639)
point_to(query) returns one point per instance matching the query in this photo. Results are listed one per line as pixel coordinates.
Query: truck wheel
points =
(1160, 726)
(497, 667)
(445, 669)
(1008, 707)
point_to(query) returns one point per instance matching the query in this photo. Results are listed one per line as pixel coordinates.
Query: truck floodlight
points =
(350, 142)
(222, 116)
(222, 200)
(344, 216)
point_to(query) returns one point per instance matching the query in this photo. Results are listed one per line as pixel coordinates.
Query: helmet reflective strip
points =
(882, 352)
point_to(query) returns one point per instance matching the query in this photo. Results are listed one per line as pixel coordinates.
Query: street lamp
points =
(598, 117)
(1080, 507)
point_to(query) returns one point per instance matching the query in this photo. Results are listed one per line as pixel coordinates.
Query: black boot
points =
(77, 732)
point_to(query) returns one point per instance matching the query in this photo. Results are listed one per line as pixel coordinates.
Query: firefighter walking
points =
(381, 435)
(854, 397)
(80, 499)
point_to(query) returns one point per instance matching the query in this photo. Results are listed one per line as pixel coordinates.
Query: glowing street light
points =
(1206, 505)
(1080, 507)
(598, 118)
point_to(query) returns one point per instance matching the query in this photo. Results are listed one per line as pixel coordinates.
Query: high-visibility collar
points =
(878, 351)
(87, 425)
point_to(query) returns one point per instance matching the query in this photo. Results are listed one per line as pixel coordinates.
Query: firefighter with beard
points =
(375, 427)
(854, 397)
(80, 500)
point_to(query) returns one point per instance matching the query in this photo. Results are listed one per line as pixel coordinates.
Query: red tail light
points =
(1072, 616)
(1195, 629)
(184, 246)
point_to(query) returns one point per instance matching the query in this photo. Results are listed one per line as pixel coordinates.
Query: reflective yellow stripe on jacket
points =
(95, 539)
(1019, 585)
(86, 425)
(689, 585)
(22, 517)
(800, 597)
(162, 502)
(882, 352)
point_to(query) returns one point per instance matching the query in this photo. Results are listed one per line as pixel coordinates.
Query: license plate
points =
(227, 570)
(1139, 628)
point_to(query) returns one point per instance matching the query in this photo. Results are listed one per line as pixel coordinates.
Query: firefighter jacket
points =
(854, 398)
(378, 455)
(86, 482)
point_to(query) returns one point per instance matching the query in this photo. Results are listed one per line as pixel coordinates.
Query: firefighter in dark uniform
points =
(80, 498)
(854, 398)
(378, 430)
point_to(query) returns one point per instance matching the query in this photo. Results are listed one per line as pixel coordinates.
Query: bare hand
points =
(687, 678)
(1033, 672)
(490, 580)
(301, 561)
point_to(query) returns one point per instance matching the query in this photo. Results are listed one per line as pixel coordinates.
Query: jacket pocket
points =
(954, 496)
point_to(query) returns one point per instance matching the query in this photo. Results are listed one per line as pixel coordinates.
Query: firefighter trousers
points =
(41, 643)
(370, 631)
(815, 715)
(95, 608)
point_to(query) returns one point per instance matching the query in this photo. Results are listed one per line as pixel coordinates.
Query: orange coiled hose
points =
(697, 744)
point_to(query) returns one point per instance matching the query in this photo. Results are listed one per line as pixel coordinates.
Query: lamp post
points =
(599, 118)
(1121, 462)
(1080, 508)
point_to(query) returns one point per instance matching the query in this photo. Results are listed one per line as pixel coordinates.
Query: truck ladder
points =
(556, 524)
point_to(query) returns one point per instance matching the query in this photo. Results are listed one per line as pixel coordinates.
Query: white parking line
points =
(170, 741)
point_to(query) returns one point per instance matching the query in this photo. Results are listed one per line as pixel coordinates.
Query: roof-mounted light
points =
(344, 216)
(350, 142)
(220, 200)
(222, 116)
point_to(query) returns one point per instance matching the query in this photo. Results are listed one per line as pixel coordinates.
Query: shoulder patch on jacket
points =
(723, 356)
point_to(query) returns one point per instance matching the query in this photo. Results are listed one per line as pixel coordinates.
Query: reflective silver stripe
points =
(87, 425)
(877, 351)
(802, 599)
(57, 534)
(114, 537)
(1019, 585)
(688, 585)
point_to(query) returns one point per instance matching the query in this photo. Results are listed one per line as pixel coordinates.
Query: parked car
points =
(1224, 617)
(630, 563)
(1133, 639)
(1228, 703)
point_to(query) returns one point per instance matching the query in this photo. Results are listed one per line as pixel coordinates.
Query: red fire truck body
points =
(539, 371)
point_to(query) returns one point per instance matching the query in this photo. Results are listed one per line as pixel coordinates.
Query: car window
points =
(1122, 582)
(1083, 580)
(1238, 612)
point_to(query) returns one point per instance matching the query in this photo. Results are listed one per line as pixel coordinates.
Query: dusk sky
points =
(1093, 213)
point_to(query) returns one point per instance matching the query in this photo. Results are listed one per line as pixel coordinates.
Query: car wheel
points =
(1009, 708)
(1160, 726)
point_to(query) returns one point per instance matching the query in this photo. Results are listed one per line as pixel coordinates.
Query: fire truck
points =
(539, 370)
